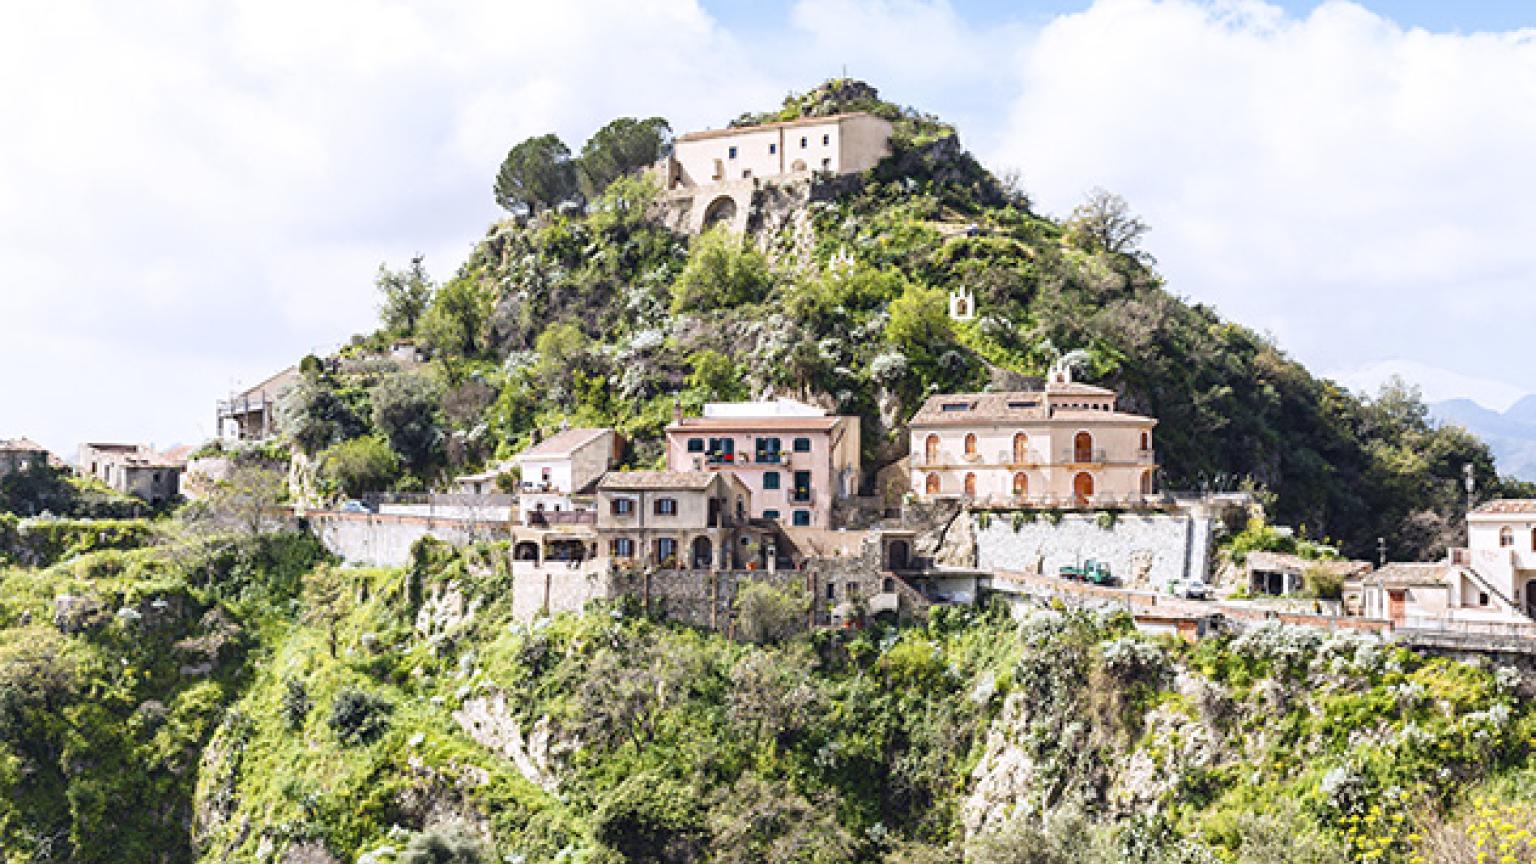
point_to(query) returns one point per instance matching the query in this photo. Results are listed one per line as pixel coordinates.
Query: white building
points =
(721, 168)
(566, 466)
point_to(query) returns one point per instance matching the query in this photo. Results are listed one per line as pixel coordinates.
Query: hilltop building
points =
(132, 469)
(20, 455)
(797, 460)
(251, 415)
(1063, 446)
(560, 474)
(717, 171)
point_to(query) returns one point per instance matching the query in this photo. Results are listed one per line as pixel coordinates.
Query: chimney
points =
(677, 410)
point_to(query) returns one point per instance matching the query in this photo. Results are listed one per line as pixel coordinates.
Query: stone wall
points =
(385, 541)
(1143, 550)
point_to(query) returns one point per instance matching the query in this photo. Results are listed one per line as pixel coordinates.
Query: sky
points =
(192, 196)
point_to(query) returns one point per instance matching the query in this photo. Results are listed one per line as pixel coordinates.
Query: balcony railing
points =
(1008, 458)
(562, 517)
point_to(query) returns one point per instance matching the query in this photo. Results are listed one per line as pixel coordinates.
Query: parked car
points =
(1193, 589)
(354, 506)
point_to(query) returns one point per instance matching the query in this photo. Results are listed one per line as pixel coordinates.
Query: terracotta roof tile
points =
(1410, 575)
(1508, 505)
(1016, 406)
(563, 443)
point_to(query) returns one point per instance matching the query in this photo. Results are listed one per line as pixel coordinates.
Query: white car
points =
(1194, 589)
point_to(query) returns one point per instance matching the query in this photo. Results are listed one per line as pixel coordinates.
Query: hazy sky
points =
(194, 195)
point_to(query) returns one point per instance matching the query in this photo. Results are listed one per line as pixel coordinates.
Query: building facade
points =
(796, 460)
(251, 415)
(1065, 446)
(672, 520)
(21, 455)
(132, 469)
(560, 474)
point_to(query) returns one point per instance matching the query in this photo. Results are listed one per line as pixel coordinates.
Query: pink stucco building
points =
(796, 459)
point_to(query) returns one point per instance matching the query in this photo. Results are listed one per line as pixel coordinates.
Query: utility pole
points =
(1381, 551)
(1469, 479)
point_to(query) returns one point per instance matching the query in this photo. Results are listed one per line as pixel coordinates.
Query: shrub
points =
(360, 466)
(722, 271)
(447, 843)
(358, 717)
(1322, 583)
(650, 818)
(296, 704)
(766, 614)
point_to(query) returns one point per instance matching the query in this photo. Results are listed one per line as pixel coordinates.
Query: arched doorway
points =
(703, 553)
(1020, 448)
(1082, 488)
(931, 450)
(897, 555)
(1021, 485)
(526, 551)
(970, 485)
(1082, 447)
(722, 209)
(931, 485)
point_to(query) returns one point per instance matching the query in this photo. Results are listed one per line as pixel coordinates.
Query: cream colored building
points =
(1063, 446)
(1491, 582)
(673, 519)
(720, 169)
(797, 460)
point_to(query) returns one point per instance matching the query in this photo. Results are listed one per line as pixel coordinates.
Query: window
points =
(802, 518)
(970, 443)
(831, 590)
(773, 148)
(771, 480)
(826, 139)
(826, 164)
(802, 445)
(1021, 484)
(802, 489)
(956, 406)
(804, 142)
(1506, 536)
(666, 506)
(768, 450)
(1482, 598)
(746, 175)
(931, 450)
(731, 154)
(771, 514)
(1082, 447)
(622, 506)
(695, 445)
(931, 485)
(622, 547)
(970, 485)
(1023, 406)
(666, 551)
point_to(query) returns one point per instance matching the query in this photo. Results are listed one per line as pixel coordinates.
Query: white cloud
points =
(1354, 187)
(193, 196)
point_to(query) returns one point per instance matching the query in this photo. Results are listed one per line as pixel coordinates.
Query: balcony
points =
(545, 518)
(800, 495)
(1078, 456)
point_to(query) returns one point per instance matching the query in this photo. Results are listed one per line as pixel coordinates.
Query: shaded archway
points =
(1082, 447)
(931, 485)
(1082, 488)
(703, 553)
(722, 209)
(1020, 448)
(970, 485)
(898, 555)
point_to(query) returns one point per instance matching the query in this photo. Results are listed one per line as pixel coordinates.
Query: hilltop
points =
(594, 313)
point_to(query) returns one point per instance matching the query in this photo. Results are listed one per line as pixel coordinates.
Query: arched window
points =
(1082, 447)
(932, 484)
(1020, 484)
(1506, 536)
(1082, 488)
(970, 443)
(931, 450)
(970, 485)
(1020, 448)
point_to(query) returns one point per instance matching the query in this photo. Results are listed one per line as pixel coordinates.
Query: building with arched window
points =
(1066, 445)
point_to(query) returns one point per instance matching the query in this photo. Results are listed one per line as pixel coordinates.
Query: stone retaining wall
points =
(1143, 550)
(385, 541)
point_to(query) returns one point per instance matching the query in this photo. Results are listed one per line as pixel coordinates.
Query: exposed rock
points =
(1005, 780)
(77, 614)
(1149, 776)
(308, 852)
(444, 613)
(487, 720)
(958, 546)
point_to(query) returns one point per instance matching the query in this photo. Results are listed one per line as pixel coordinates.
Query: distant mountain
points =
(1512, 434)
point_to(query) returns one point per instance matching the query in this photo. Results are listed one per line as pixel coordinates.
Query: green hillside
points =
(608, 318)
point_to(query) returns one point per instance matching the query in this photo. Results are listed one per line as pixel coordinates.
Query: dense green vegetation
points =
(601, 316)
(354, 711)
